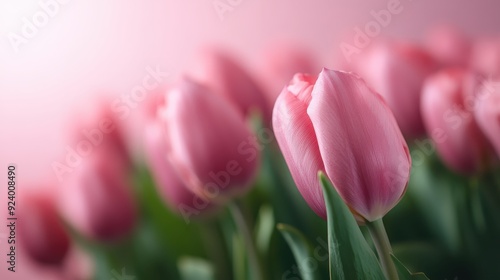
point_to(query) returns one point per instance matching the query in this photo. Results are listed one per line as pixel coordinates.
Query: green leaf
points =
(405, 274)
(350, 255)
(195, 269)
(302, 251)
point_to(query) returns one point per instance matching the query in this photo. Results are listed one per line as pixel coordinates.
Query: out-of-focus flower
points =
(40, 230)
(448, 45)
(397, 71)
(207, 141)
(339, 125)
(169, 183)
(97, 200)
(226, 77)
(448, 101)
(487, 112)
(279, 64)
(486, 57)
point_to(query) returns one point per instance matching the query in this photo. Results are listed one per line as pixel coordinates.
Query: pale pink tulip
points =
(207, 141)
(448, 100)
(40, 231)
(486, 57)
(97, 200)
(339, 125)
(170, 185)
(397, 71)
(225, 76)
(448, 45)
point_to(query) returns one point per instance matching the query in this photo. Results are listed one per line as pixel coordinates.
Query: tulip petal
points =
(295, 134)
(363, 150)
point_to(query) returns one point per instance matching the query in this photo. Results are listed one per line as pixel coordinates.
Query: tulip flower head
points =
(97, 200)
(448, 101)
(397, 71)
(205, 141)
(226, 77)
(338, 125)
(169, 183)
(41, 231)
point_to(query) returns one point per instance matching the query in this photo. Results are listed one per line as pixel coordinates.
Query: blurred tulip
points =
(339, 125)
(227, 78)
(448, 100)
(40, 230)
(448, 45)
(397, 71)
(280, 63)
(97, 200)
(487, 113)
(169, 183)
(207, 141)
(486, 57)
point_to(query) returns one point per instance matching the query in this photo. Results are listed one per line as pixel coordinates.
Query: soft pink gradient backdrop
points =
(93, 46)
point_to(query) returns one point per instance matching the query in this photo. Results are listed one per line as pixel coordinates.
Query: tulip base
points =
(383, 246)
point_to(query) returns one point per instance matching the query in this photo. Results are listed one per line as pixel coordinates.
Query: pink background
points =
(90, 47)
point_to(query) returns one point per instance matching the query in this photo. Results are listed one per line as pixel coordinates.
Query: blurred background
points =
(87, 49)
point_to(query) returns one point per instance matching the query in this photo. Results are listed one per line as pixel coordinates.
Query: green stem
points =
(384, 250)
(239, 219)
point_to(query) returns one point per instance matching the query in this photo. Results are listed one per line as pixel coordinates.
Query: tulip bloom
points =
(225, 77)
(397, 71)
(169, 183)
(448, 100)
(97, 199)
(40, 230)
(337, 124)
(206, 141)
(487, 113)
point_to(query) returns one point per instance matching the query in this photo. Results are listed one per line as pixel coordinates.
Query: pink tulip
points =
(448, 45)
(40, 230)
(225, 77)
(207, 141)
(339, 125)
(97, 200)
(397, 71)
(487, 112)
(280, 63)
(169, 183)
(100, 129)
(448, 100)
(486, 57)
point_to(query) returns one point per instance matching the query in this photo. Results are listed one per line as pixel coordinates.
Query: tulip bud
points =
(225, 77)
(448, 101)
(449, 46)
(339, 125)
(100, 130)
(487, 112)
(486, 57)
(97, 200)
(208, 141)
(280, 64)
(169, 183)
(40, 230)
(397, 71)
